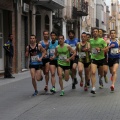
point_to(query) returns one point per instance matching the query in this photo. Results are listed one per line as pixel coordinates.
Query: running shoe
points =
(73, 86)
(53, 90)
(46, 88)
(85, 88)
(62, 93)
(81, 83)
(106, 79)
(75, 81)
(88, 83)
(112, 88)
(35, 93)
(93, 91)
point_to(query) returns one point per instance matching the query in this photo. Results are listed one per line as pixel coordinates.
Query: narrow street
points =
(16, 102)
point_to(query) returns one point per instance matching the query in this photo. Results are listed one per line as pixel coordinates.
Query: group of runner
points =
(65, 56)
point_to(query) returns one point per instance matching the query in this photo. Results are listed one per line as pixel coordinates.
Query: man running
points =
(98, 46)
(88, 40)
(36, 52)
(83, 49)
(105, 64)
(72, 41)
(88, 37)
(46, 60)
(53, 63)
(113, 57)
(63, 51)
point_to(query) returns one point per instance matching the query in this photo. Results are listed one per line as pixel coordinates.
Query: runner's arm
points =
(71, 51)
(27, 52)
(42, 50)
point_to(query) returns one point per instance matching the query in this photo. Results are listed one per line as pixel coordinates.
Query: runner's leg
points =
(80, 70)
(60, 70)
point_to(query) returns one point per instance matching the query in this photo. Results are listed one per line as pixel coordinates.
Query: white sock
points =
(93, 88)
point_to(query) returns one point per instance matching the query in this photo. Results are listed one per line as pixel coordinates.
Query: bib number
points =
(52, 51)
(94, 51)
(114, 51)
(82, 54)
(34, 58)
(73, 46)
(62, 57)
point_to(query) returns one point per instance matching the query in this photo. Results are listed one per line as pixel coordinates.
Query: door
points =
(1, 43)
(24, 41)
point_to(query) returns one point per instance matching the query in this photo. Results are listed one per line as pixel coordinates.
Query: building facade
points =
(114, 18)
(6, 27)
(101, 14)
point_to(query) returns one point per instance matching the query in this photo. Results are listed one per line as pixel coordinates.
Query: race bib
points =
(73, 46)
(52, 51)
(47, 52)
(114, 50)
(34, 58)
(94, 51)
(62, 57)
(82, 54)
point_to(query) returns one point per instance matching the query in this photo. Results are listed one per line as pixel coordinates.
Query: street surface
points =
(16, 102)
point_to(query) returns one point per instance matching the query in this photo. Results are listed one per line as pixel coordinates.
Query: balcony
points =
(51, 4)
(82, 8)
(74, 12)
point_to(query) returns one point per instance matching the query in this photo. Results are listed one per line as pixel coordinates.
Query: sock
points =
(93, 88)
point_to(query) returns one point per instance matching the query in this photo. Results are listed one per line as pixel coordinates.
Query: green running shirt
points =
(100, 43)
(63, 54)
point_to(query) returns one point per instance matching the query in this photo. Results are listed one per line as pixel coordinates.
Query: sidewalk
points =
(18, 76)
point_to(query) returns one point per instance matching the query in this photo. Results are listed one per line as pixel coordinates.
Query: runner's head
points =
(32, 39)
(84, 37)
(46, 35)
(95, 32)
(61, 39)
(71, 34)
(113, 34)
(100, 33)
(88, 36)
(10, 37)
(53, 36)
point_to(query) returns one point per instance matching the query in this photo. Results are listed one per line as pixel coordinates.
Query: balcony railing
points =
(74, 13)
(83, 8)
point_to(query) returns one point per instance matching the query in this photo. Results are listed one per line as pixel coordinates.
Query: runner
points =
(72, 41)
(45, 60)
(98, 46)
(113, 57)
(88, 37)
(53, 63)
(83, 49)
(63, 51)
(105, 64)
(88, 40)
(36, 52)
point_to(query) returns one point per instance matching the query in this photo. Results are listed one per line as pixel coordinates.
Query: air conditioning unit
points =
(25, 7)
